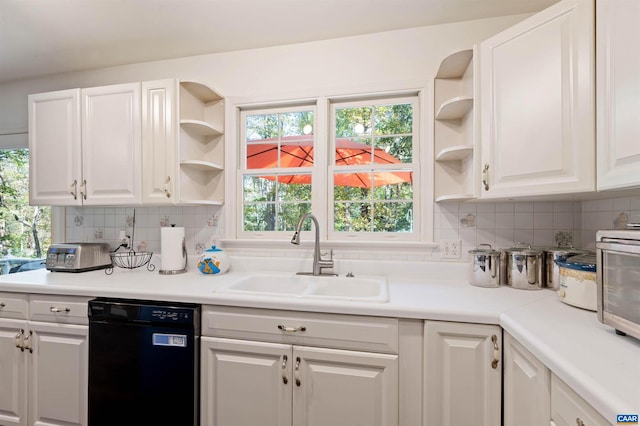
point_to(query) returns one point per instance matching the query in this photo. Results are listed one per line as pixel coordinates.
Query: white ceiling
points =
(40, 37)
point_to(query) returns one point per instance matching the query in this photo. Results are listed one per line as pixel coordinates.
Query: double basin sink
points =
(345, 288)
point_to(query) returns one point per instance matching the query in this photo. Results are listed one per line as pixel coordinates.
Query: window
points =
(356, 174)
(278, 164)
(25, 231)
(372, 171)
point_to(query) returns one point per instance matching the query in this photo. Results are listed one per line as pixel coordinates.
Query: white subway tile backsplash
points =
(486, 220)
(563, 220)
(523, 220)
(542, 206)
(505, 220)
(524, 207)
(543, 220)
(500, 224)
(505, 207)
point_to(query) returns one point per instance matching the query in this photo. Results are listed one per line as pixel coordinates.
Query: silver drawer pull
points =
(56, 310)
(27, 342)
(19, 344)
(296, 371)
(291, 329)
(496, 352)
(285, 380)
(2, 305)
(579, 422)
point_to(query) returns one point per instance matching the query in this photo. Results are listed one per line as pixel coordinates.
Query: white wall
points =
(392, 60)
(396, 58)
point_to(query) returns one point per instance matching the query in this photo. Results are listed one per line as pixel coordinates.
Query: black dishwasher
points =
(143, 363)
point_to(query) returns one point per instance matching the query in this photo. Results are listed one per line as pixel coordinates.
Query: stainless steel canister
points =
(485, 266)
(552, 270)
(523, 268)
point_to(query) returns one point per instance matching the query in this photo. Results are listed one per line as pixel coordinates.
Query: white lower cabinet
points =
(463, 374)
(527, 389)
(569, 409)
(274, 382)
(44, 363)
(534, 396)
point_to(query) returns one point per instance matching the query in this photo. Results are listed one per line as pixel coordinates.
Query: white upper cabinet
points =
(538, 104)
(55, 155)
(618, 89)
(111, 145)
(159, 148)
(154, 143)
(85, 146)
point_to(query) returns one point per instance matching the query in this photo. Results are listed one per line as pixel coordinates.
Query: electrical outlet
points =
(450, 249)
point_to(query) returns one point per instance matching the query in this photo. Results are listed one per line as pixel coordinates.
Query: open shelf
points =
(202, 165)
(454, 65)
(455, 109)
(200, 127)
(201, 144)
(454, 153)
(455, 197)
(454, 128)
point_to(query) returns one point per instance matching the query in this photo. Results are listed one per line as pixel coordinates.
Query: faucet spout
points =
(318, 262)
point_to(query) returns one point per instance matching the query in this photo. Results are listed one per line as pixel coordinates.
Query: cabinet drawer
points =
(568, 408)
(60, 309)
(302, 328)
(13, 305)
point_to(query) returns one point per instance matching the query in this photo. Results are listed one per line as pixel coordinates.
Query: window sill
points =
(390, 250)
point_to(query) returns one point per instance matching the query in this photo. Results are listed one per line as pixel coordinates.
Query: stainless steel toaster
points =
(78, 257)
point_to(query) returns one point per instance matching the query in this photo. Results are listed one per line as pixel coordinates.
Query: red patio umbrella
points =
(297, 151)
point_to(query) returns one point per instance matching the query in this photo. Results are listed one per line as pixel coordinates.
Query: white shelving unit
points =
(201, 144)
(454, 128)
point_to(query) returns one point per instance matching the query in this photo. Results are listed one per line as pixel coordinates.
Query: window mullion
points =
(319, 197)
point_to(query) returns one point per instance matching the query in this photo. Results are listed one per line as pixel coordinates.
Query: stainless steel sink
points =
(357, 289)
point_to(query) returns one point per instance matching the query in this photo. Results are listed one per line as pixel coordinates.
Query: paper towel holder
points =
(178, 271)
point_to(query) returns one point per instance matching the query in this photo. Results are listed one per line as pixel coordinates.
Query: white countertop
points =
(602, 367)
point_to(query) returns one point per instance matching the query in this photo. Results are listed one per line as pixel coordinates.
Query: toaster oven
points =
(78, 257)
(618, 280)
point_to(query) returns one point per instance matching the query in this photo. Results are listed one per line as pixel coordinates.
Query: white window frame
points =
(414, 167)
(424, 206)
(243, 171)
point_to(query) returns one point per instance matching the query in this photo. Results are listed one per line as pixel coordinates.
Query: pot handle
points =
(521, 245)
(488, 245)
(532, 263)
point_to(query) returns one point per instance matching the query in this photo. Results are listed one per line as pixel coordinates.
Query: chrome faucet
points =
(318, 262)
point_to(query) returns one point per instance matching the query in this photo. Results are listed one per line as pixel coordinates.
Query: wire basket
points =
(131, 260)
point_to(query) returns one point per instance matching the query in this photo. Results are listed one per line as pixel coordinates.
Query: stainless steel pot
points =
(485, 266)
(552, 270)
(523, 268)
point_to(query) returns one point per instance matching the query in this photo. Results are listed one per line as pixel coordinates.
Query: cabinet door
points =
(344, 388)
(55, 156)
(13, 374)
(462, 383)
(538, 104)
(569, 409)
(245, 383)
(618, 88)
(58, 374)
(527, 388)
(111, 145)
(159, 144)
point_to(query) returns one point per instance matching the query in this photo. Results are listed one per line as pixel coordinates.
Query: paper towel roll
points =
(171, 248)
